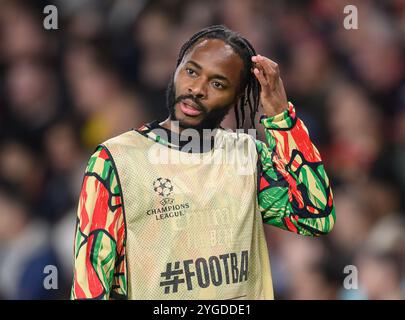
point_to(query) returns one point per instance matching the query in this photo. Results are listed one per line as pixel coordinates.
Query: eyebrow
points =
(214, 76)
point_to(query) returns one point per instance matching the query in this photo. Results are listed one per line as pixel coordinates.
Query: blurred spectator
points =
(32, 99)
(99, 96)
(22, 169)
(25, 250)
(65, 163)
(21, 35)
(106, 70)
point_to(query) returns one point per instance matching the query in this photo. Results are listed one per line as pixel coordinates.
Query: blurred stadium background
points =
(105, 71)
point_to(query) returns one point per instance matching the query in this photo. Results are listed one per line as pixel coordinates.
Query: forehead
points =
(216, 56)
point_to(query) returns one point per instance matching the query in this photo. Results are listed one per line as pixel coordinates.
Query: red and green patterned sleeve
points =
(99, 248)
(294, 189)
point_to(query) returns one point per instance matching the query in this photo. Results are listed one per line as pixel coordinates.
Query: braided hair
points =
(241, 46)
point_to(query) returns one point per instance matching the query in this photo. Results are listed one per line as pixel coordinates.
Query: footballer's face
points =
(205, 85)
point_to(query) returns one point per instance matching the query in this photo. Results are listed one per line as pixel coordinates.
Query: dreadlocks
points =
(241, 46)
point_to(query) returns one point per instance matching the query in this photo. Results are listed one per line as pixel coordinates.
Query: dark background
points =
(105, 71)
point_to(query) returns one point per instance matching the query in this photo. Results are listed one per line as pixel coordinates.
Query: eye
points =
(190, 72)
(218, 85)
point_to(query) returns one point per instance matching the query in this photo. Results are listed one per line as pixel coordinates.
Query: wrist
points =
(284, 120)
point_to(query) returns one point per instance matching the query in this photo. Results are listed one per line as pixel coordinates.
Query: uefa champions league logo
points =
(169, 208)
(163, 187)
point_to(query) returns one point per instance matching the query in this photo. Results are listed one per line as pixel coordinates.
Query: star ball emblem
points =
(163, 187)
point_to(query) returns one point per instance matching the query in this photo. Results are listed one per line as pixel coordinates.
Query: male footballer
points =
(175, 210)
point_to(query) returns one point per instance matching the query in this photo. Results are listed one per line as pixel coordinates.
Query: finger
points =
(272, 63)
(268, 68)
(260, 77)
(260, 67)
(265, 74)
(270, 72)
(259, 58)
(256, 64)
(269, 65)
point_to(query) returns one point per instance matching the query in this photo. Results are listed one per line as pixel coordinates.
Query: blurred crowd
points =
(105, 70)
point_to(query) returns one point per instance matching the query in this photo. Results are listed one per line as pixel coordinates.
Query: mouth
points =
(190, 108)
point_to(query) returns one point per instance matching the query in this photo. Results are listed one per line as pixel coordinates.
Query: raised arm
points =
(294, 189)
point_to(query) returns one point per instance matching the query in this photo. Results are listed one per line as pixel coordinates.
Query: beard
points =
(211, 119)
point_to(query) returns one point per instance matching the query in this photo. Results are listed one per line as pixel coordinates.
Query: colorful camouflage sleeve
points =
(294, 190)
(99, 248)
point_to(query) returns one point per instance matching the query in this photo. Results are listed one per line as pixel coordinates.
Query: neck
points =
(200, 134)
(171, 125)
(194, 141)
(174, 127)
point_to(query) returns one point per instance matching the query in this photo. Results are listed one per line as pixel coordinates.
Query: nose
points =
(198, 88)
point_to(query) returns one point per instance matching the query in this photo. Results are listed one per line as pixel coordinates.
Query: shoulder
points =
(130, 140)
(99, 161)
(237, 136)
(120, 139)
(239, 142)
(100, 172)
